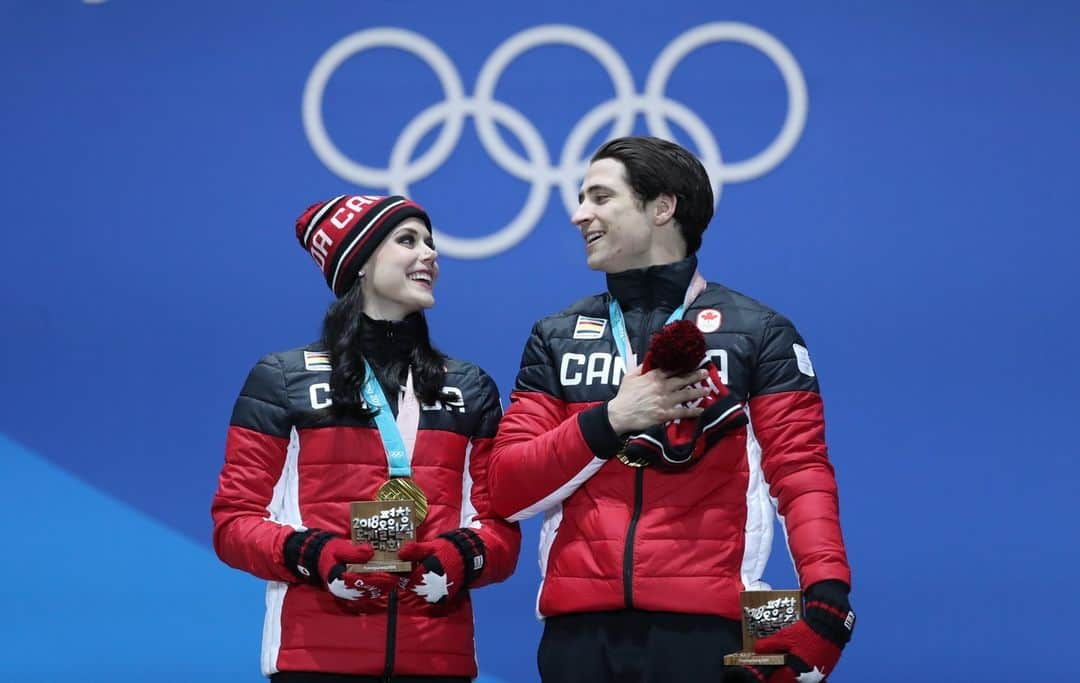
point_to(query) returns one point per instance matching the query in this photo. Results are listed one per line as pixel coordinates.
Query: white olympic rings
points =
(536, 167)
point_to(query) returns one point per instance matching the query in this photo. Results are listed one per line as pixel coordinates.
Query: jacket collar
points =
(655, 287)
(388, 341)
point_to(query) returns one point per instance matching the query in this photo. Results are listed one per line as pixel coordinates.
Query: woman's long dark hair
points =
(342, 334)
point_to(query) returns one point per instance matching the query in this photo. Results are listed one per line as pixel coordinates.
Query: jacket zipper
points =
(628, 551)
(391, 635)
(639, 493)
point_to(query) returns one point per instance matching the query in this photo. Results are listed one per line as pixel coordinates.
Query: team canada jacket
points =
(617, 537)
(291, 464)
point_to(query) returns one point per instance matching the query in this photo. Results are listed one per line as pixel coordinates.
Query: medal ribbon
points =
(618, 324)
(398, 437)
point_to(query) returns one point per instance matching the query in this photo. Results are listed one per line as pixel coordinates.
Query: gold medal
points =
(404, 488)
(631, 462)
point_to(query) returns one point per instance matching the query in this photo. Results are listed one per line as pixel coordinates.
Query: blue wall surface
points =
(898, 178)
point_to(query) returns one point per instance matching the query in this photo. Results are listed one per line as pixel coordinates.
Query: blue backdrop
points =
(899, 179)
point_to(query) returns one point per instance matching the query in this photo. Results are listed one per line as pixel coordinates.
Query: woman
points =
(307, 437)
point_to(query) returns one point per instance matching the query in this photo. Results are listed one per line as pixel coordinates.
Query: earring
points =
(360, 274)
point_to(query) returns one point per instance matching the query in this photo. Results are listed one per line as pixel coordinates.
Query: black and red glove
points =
(447, 565)
(321, 558)
(678, 349)
(812, 645)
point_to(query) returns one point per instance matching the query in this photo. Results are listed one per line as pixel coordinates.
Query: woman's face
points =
(399, 278)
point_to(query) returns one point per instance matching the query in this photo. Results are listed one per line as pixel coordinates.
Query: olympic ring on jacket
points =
(536, 167)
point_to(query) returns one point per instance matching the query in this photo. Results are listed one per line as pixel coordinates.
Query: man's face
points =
(616, 227)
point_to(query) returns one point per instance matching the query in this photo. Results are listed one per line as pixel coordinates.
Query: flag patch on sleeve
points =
(316, 360)
(589, 328)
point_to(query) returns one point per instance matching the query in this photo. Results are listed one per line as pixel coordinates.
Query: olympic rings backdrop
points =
(898, 178)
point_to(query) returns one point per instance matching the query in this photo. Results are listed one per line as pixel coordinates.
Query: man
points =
(644, 550)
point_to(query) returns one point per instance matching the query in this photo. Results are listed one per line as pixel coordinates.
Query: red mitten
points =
(810, 657)
(812, 646)
(321, 558)
(447, 564)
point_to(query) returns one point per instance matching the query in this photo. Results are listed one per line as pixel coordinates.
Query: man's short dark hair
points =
(654, 167)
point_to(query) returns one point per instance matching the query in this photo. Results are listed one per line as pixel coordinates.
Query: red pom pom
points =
(677, 348)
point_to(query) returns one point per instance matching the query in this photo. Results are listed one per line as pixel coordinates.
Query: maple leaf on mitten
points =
(322, 559)
(812, 646)
(447, 564)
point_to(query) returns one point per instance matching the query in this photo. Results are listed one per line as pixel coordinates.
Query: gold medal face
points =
(631, 462)
(404, 488)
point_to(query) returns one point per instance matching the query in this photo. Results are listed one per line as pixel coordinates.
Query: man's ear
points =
(664, 208)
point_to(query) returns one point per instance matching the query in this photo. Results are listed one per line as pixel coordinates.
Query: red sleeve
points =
(788, 419)
(545, 449)
(501, 539)
(540, 457)
(255, 454)
(790, 427)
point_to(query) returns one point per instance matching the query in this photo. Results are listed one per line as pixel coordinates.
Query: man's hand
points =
(654, 398)
(678, 444)
(812, 646)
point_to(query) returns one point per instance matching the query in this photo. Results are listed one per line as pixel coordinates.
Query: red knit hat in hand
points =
(679, 348)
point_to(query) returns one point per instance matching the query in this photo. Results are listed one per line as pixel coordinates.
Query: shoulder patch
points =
(316, 360)
(802, 357)
(709, 320)
(589, 328)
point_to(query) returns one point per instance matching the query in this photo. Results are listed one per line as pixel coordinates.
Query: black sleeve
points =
(490, 407)
(783, 362)
(537, 371)
(262, 404)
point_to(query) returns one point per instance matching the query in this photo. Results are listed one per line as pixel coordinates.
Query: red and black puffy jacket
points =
(617, 537)
(290, 464)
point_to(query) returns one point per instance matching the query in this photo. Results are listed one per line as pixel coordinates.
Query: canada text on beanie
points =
(341, 234)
